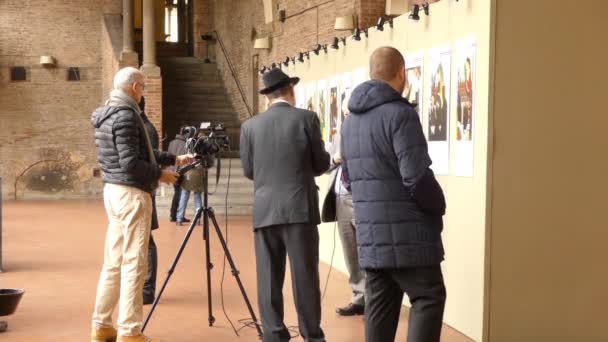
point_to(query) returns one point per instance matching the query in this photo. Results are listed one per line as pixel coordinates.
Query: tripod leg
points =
(172, 268)
(235, 272)
(209, 264)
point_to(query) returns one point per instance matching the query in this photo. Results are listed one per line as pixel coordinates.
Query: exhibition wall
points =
(452, 49)
(548, 229)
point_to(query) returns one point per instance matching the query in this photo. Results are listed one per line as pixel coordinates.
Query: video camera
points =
(205, 143)
(208, 140)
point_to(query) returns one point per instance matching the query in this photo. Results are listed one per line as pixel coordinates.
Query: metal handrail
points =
(234, 76)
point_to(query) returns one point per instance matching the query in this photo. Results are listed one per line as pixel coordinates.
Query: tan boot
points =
(137, 338)
(103, 334)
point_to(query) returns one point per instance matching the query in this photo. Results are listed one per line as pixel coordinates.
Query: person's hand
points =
(168, 177)
(337, 160)
(184, 159)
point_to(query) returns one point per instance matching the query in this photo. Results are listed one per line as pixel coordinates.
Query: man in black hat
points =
(282, 152)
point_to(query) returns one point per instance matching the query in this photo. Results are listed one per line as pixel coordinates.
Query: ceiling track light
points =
(382, 21)
(415, 14)
(286, 61)
(357, 35)
(263, 70)
(318, 48)
(273, 66)
(301, 56)
(336, 42)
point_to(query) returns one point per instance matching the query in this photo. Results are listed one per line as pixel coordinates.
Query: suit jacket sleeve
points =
(246, 151)
(320, 157)
(414, 161)
(126, 137)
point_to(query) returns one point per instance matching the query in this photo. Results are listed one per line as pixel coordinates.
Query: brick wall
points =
(308, 23)
(47, 117)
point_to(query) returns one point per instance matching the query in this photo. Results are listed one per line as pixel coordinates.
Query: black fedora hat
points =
(276, 79)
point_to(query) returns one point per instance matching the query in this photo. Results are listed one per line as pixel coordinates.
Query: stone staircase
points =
(240, 192)
(193, 92)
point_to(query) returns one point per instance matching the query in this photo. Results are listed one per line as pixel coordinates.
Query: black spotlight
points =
(335, 44)
(318, 48)
(293, 60)
(357, 35)
(263, 70)
(301, 56)
(415, 15)
(380, 24)
(273, 66)
(286, 61)
(427, 8)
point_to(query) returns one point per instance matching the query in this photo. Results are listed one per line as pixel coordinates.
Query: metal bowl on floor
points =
(9, 300)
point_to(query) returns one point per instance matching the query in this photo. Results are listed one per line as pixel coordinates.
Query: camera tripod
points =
(207, 213)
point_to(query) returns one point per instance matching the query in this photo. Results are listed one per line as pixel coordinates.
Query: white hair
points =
(125, 77)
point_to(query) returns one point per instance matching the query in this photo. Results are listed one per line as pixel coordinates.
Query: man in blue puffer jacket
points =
(398, 204)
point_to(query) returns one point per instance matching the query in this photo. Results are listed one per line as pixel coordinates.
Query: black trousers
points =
(150, 283)
(383, 296)
(272, 245)
(177, 191)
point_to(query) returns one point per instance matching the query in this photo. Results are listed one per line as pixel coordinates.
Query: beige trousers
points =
(122, 277)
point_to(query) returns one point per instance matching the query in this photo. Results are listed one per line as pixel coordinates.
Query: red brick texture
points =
(308, 23)
(48, 117)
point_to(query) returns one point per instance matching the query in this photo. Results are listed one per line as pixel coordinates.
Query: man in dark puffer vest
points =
(131, 172)
(398, 204)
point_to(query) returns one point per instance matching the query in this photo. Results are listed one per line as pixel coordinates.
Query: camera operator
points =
(282, 152)
(131, 173)
(398, 204)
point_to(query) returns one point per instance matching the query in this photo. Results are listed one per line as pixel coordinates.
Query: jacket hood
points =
(372, 94)
(102, 113)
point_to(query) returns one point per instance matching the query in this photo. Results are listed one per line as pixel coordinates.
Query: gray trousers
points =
(348, 236)
(272, 245)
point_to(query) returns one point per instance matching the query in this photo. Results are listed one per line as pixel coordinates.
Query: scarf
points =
(118, 98)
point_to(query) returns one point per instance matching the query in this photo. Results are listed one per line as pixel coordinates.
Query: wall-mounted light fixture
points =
(301, 56)
(382, 21)
(415, 15)
(261, 43)
(318, 48)
(357, 35)
(47, 61)
(345, 23)
(336, 43)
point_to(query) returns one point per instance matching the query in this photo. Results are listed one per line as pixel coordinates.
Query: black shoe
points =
(185, 220)
(148, 299)
(351, 310)
(172, 219)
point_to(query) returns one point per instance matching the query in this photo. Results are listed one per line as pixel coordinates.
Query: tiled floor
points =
(54, 251)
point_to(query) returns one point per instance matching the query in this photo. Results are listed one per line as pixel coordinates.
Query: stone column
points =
(154, 82)
(127, 26)
(149, 63)
(128, 56)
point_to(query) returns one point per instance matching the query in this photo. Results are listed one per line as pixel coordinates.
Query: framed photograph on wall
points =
(322, 108)
(464, 59)
(437, 108)
(414, 71)
(333, 109)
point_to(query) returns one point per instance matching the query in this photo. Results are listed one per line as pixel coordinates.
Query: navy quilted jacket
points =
(398, 203)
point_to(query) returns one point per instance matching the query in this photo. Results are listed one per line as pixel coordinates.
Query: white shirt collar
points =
(279, 100)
